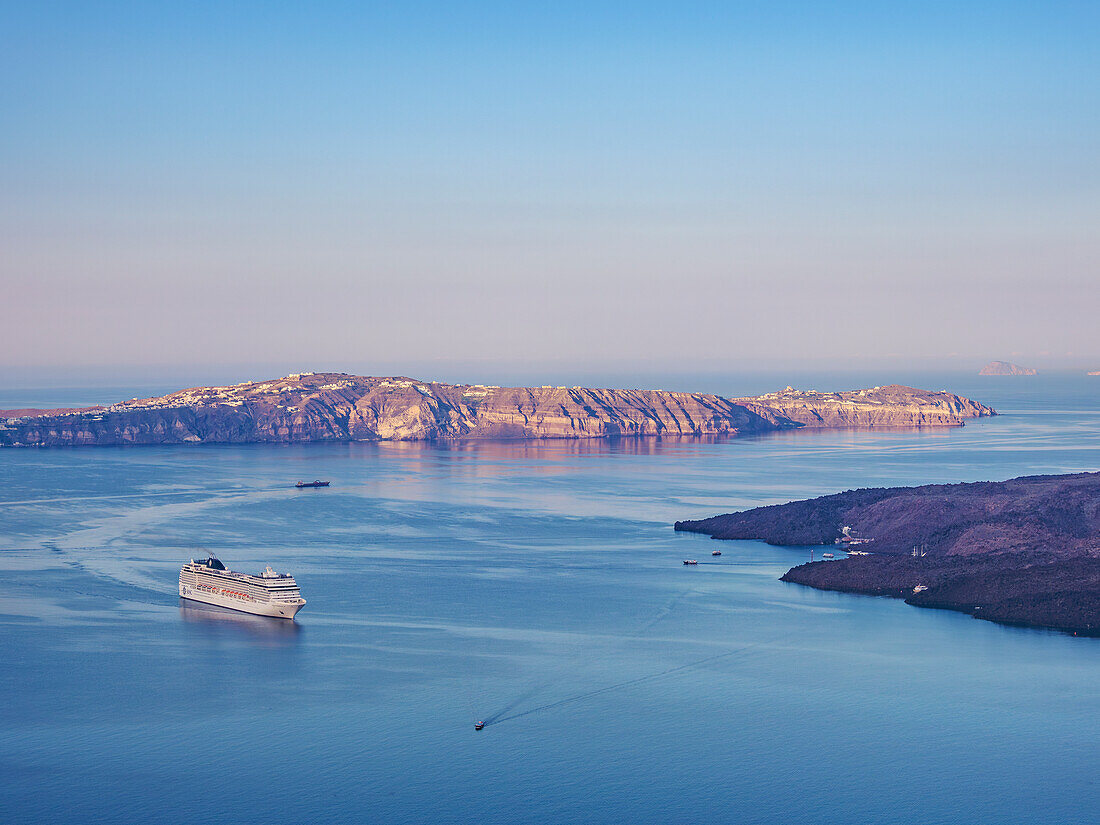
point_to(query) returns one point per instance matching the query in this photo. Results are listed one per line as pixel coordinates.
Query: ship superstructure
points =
(268, 594)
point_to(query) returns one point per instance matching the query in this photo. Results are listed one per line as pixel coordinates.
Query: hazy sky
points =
(682, 183)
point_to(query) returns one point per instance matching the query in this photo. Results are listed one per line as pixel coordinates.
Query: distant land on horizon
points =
(1024, 551)
(309, 407)
(1006, 368)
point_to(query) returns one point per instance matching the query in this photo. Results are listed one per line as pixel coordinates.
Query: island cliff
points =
(1024, 551)
(891, 406)
(339, 407)
(1005, 368)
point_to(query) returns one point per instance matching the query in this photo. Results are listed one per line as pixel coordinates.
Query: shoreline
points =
(1065, 630)
(705, 438)
(1024, 552)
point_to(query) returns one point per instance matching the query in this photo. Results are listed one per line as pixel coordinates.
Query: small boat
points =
(301, 484)
(478, 725)
(716, 552)
(827, 555)
(691, 561)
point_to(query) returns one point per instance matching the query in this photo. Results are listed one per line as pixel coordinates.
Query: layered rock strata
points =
(339, 407)
(891, 406)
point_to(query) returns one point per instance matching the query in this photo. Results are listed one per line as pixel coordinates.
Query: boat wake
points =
(496, 720)
(499, 716)
(665, 611)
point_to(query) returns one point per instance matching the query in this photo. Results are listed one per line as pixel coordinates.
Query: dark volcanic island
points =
(311, 407)
(1024, 551)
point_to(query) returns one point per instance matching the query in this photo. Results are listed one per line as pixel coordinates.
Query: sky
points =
(399, 186)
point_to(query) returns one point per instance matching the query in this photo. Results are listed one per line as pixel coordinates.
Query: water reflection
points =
(222, 621)
(431, 455)
(532, 449)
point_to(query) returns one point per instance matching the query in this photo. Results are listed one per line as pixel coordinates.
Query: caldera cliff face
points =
(338, 407)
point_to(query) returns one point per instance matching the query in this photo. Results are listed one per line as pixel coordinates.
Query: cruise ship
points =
(268, 594)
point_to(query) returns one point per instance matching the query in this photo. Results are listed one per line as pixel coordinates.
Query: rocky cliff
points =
(1005, 368)
(339, 407)
(891, 406)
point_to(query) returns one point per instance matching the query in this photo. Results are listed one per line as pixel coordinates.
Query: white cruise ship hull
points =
(273, 609)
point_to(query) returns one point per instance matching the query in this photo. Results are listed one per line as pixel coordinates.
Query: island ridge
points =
(1024, 551)
(329, 407)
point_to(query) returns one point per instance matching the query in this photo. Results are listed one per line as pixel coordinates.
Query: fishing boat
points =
(301, 484)
(691, 561)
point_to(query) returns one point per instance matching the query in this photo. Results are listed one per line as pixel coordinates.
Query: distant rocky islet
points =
(1006, 368)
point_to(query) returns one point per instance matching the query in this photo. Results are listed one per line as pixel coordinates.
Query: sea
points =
(538, 587)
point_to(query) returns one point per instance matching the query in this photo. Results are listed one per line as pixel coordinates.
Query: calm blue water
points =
(540, 587)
